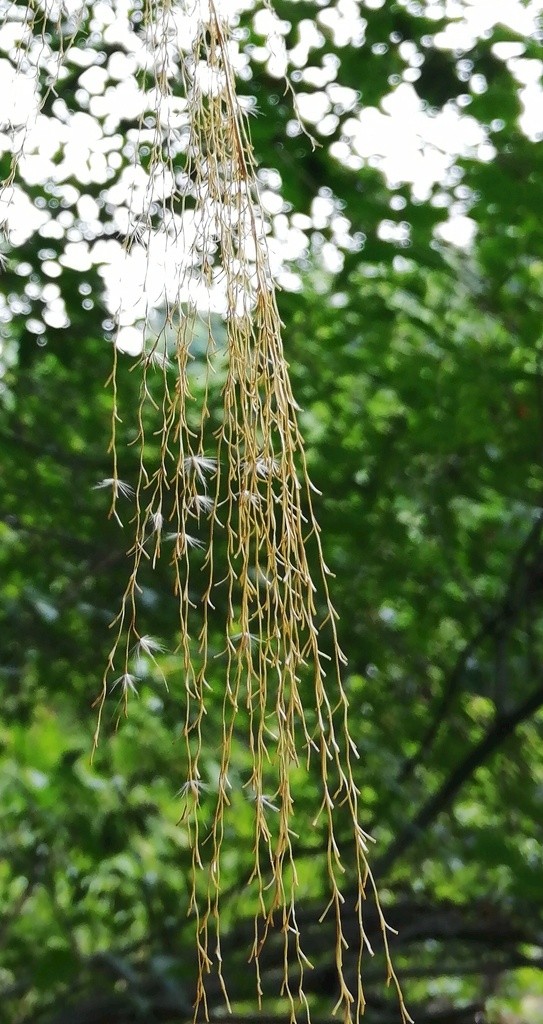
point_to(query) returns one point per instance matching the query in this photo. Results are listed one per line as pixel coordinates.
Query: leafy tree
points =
(417, 370)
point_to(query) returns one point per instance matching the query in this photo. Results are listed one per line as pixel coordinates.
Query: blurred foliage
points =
(419, 373)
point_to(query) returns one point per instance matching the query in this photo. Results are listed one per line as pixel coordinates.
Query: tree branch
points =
(511, 604)
(503, 727)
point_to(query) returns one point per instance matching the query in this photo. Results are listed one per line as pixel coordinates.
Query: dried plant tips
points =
(258, 673)
(126, 684)
(118, 487)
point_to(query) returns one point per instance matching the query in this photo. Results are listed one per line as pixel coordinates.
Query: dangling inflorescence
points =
(238, 484)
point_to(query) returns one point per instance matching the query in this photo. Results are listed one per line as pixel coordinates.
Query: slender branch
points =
(493, 625)
(441, 801)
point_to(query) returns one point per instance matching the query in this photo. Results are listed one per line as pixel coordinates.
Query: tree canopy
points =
(416, 365)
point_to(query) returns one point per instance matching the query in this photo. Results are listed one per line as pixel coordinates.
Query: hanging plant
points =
(223, 493)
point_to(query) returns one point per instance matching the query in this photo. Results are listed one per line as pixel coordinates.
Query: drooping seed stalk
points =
(239, 487)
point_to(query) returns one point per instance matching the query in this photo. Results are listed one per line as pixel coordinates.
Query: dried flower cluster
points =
(244, 478)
